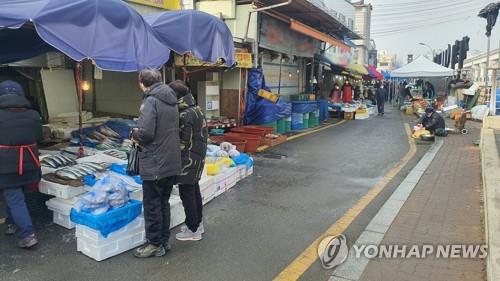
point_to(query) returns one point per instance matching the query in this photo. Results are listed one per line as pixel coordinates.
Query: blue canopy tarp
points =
(259, 110)
(110, 32)
(190, 31)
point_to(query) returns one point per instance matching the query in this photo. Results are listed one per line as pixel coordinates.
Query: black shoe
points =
(150, 250)
(10, 229)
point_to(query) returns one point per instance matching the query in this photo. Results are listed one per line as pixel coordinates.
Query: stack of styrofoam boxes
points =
(91, 242)
(207, 188)
(65, 197)
(241, 172)
(61, 209)
(250, 170)
(177, 215)
(59, 190)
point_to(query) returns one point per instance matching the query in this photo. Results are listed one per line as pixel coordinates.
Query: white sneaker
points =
(201, 228)
(188, 235)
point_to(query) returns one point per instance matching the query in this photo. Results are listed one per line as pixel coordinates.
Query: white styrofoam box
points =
(63, 220)
(232, 177)
(219, 183)
(61, 209)
(62, 206)
(111, 247)
(250, 171)
(207, 189)
(177, 215)
(59, 190)
(134, 227)
(241, 172)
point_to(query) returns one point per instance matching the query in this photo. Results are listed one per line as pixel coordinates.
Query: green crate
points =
(280, 126)
(288, 124)
(273, 124)
(312, 119)
(306, 120)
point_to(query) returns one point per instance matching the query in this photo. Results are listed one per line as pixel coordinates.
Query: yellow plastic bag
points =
(213, 169)
(418, 133)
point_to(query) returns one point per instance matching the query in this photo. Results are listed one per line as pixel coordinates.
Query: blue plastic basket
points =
(110, 221)
(304, 106)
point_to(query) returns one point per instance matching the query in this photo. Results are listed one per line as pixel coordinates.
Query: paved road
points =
(254, 230)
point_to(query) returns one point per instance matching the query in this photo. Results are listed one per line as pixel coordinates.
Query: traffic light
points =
(454, 54)
(462, 55)
(448, 56)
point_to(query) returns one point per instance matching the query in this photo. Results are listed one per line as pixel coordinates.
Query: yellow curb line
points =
(302, 263)
(264, 147)
(314, 131)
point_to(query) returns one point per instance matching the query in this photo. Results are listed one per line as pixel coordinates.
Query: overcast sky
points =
(399, 25)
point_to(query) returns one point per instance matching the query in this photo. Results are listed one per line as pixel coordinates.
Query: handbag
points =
(133, 160)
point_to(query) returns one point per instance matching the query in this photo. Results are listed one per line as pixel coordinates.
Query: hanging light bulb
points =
(290, 74)
(85, 85)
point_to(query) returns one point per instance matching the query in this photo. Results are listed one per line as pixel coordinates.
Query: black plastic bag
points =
(133, 160)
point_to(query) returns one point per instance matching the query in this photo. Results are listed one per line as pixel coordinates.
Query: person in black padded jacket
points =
(21, 129)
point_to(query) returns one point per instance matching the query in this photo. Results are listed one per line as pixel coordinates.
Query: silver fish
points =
(67, 174)
(67, 159)
(59, 160)
(48, 161)
(109, 132)
(86, 169)
(75, 171)
(98, 166)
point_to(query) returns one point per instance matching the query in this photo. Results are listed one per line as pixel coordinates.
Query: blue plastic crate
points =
(304, 106)
(110, 221)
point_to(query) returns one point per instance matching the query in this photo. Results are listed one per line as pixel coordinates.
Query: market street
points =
(257, 228)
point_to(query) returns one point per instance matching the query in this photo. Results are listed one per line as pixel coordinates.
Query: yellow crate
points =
(409, 110)
(349, 115)
(362, 111)
(268, 96)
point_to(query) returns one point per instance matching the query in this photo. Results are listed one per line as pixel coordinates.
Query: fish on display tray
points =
(117, 154)
(55, 161)
(78, 171)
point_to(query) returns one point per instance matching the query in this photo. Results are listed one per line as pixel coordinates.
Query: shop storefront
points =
(103, 80)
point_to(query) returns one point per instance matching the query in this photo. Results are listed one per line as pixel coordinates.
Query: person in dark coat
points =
(193, 135)
(430, 92)
(432, 121)
(21, 129)
(159, 159)
(380, 95)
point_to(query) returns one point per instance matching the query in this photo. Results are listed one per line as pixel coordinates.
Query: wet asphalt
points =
(256, 229)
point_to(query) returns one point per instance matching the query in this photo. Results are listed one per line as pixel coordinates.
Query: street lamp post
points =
(430, 49)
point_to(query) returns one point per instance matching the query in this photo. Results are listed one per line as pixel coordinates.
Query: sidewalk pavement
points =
(444, 208)
(490, 158)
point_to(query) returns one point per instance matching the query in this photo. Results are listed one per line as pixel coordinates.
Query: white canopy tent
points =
(422, 67)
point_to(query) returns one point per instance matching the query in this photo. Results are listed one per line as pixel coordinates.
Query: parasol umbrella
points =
(110, 33)
(190, 31)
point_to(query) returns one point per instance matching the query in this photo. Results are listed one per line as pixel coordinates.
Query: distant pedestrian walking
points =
(380, 95)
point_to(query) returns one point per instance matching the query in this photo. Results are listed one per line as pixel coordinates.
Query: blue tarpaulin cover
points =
(190, 31)
(109, 32)
(259, 110)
